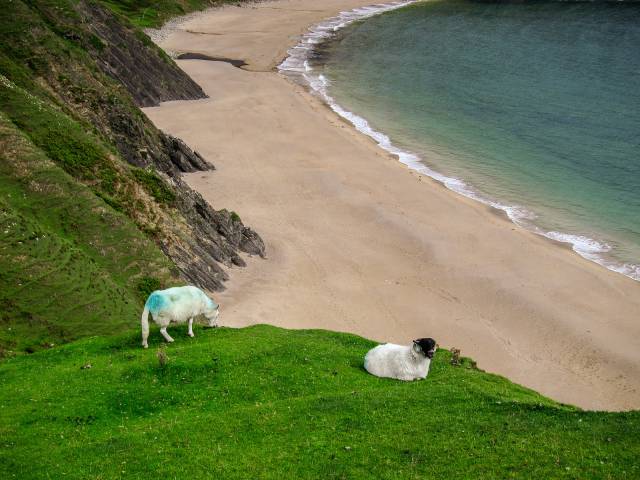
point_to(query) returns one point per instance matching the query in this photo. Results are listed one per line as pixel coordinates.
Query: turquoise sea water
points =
(534, 106)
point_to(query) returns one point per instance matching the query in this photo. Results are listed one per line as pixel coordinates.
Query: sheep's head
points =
(212, 316)
(425, 346)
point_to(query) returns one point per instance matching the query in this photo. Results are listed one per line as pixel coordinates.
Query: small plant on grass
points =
(235, 217)
(146, 285)
(455, 356)
(163, 359)
(96, 43)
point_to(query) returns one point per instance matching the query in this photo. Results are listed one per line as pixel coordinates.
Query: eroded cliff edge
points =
(73, 76)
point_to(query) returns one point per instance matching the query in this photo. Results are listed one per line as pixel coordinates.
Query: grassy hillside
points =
(70, 264)
(94, 213)
(264, 402)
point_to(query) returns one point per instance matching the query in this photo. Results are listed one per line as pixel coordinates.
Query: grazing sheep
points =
(177, 305)
(399, 361)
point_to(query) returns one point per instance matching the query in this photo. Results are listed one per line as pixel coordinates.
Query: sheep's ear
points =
(417, 347)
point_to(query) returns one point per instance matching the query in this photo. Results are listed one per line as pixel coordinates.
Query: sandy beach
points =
(357, 242)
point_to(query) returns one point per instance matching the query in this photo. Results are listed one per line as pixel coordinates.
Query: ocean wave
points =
(297, 66)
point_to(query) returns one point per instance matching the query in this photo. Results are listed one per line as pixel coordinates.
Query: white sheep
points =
(402, 362)
(177, 305)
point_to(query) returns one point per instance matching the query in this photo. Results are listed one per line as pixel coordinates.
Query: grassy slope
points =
(69, 264)
(78, 223)
(263, 402)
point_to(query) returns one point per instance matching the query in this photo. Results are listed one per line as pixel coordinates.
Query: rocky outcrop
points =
(216, 236)
(130, 57)
(183, 158)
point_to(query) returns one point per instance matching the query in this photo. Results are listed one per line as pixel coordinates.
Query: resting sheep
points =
(402, 362)
(177, 305)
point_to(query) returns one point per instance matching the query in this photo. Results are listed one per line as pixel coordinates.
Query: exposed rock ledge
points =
(210, 237)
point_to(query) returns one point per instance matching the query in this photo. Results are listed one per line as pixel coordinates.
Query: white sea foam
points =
(297, 66)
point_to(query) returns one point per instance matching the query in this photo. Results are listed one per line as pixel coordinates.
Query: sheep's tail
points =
(144, 321)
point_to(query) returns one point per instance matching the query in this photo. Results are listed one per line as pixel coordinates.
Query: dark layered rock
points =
(125, 56)
(183, 158)
(217, 237)
(205, 238)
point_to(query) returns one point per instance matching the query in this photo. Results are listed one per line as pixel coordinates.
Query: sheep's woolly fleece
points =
(397, 361)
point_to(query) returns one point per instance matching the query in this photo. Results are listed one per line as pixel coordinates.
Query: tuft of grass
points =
(163, 358)
(96, 42)
(153, 13)
(154, 185)
(455, 356)
(146, 285)
(264, 402)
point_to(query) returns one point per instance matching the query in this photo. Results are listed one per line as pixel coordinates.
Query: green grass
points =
(264, 402)
(69, 264)
(64, 140)
(147, 285)
(154, 185)
(78, 225)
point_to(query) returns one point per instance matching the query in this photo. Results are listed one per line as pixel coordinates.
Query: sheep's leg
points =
(191, 327)
(166, 336)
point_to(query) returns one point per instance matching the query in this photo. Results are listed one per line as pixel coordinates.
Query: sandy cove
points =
(357, 242)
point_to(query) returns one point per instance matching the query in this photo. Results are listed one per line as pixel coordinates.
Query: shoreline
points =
(296, 66)
(351, 243)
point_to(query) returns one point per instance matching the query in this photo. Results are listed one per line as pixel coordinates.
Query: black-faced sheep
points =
(402, 362)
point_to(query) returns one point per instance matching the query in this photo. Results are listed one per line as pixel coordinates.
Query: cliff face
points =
(73, 77)
(125, 56)
(151, 77)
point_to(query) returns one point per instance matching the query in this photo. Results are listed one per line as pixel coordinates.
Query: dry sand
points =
(357, 242)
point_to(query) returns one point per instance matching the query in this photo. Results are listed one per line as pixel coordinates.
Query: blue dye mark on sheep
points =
(155, 302)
